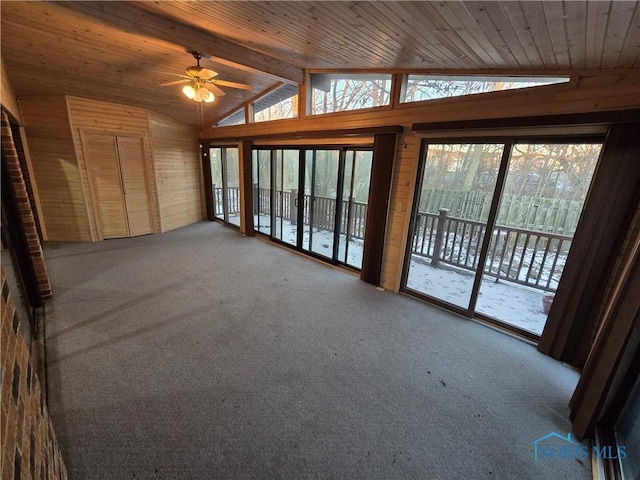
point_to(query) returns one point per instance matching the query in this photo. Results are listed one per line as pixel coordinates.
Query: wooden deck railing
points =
(521, 256)
(526, 257)
(322, 216)
(233, 200)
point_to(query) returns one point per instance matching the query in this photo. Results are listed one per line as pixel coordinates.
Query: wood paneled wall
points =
(55, 168)
(588, 93)
(90, 116)
(6, 94)
(178, 172)
(55, 127)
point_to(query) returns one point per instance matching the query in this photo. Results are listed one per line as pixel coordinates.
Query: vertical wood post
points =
(215, 199)
(248, 198)
(208, 185)
(384, 152)
(293, 206)
(256, 199)
(350, 219)
(437, 244)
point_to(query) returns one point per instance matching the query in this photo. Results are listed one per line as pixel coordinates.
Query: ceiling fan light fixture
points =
(189, 92)
(203, 95)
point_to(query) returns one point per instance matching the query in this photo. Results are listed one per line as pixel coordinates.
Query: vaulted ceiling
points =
(121, 51)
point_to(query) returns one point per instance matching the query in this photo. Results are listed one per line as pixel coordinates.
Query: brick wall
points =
(26, 175)
(14, 169)
(29, 446)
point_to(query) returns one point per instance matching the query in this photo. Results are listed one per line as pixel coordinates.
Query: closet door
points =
(134, 184)
(105, 168)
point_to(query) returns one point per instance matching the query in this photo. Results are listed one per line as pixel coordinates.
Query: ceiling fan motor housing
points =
(201, 72)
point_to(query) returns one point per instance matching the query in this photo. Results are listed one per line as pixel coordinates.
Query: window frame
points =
(570, 81)
(272, 91)
(309, 91)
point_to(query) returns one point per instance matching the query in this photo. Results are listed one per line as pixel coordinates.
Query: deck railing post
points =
(293, 206)
(350, 219)
(256, 199)
(215, 199)
(437, 244)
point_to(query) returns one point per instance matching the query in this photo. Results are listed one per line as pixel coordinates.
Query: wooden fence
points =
(542, 214)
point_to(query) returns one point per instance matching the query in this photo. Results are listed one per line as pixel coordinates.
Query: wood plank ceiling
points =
(121, 51)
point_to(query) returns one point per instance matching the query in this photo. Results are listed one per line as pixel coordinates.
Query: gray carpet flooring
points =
(202, 354)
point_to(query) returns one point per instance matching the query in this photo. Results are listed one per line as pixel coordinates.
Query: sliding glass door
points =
(544, 192)
(314, 199)
(217, 182)
(493, 223)
(458, 181)
(286, 169)
(261, 160)
(225, 179)
(355, 196)
(321, 201)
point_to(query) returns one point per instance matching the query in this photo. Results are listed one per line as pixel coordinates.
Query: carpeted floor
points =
(202, 354)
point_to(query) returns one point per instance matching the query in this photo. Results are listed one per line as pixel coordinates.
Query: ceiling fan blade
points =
(207, 74)
(175, 82)
(225, 83)
(200, 72)
(213, 89)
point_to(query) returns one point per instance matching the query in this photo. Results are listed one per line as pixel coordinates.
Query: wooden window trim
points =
(311, 134)
(564, 119)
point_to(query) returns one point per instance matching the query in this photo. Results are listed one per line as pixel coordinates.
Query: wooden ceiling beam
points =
(132, 19)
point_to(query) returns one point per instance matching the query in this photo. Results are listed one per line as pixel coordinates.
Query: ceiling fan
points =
(202, 86)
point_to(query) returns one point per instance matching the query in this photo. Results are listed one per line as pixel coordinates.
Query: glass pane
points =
(453, 207)
(341, 92)
(308, 188)
(430, 87)
(286, 195)
(324, 201)
(215, 156)
(232, 171)
(277, 226)
(543, 196)
(236, 118)
(262, 191)
(289, 192)
(354, 211)
(627, 431)
(345, 232)
(320, 183)
(282, 103)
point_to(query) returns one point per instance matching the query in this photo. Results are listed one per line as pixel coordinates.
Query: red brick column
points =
(12, 161)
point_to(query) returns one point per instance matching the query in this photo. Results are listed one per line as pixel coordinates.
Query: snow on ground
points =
(507, 302)
(321, 240)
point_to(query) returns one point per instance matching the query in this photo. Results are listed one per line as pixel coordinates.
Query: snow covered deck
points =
(507, 302)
